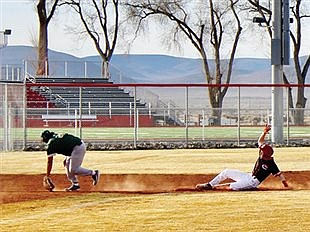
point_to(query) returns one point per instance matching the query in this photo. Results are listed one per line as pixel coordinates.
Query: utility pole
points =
(277, 73)
(280, 55)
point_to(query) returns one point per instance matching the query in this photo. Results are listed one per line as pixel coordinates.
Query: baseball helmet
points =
(47, 135)
(267, 150)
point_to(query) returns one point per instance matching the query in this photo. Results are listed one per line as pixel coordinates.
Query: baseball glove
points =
(48, 183)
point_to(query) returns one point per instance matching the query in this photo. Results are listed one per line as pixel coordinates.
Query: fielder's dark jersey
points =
(263, 168)
(63, 144)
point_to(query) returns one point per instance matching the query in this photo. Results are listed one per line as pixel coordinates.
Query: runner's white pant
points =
(74, 162)
(242, 180)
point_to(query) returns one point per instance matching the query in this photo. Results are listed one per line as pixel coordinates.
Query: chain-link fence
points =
(12, 116)
(102, 112)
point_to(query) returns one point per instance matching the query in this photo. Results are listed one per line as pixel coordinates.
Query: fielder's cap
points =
(266, 149)
(47, 135)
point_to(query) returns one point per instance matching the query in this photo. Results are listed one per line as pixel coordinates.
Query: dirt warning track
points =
(16, 188)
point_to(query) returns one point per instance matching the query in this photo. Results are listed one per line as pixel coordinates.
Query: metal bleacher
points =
(103, 100)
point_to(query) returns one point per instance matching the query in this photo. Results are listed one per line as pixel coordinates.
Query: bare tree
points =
(301, 70)
(45, 10)
(208, 25)
(100, 19)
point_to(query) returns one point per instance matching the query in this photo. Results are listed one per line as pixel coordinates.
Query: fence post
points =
(25, 70)
(137, 124)
(75, 121)
(135, 117)
(7, 72)
(85, 69)
(186, 116)
(81, 113)
(130, 114)
(12, 73)
(203, 121)
(169, 108)
(5, 117)
(239, 116)
(288, 117)
(19, 75)
(66, 68)
(9, 134)
(25, 113)
(110, 110)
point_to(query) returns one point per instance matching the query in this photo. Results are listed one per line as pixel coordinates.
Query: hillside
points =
(146, 68)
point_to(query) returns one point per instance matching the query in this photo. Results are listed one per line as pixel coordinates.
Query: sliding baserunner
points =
(264, 166)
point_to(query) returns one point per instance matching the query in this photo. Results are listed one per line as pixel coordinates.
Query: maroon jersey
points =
(263, 168)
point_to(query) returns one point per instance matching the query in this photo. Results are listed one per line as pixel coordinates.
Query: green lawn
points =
(165, 133)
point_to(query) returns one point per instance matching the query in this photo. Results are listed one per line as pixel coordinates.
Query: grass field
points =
(154, 133)
(180, 211)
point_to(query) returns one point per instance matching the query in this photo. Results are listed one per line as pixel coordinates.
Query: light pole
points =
(3, 43)
(280, 55)
(4, 37)
(277, 73)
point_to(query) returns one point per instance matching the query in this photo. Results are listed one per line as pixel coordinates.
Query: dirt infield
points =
(16, 188)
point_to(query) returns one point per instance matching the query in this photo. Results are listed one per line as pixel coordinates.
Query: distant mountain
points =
(141, 68)
(153, 69)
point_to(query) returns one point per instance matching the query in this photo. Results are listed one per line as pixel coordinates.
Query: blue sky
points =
(21, 17)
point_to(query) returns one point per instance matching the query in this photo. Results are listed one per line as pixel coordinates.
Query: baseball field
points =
(154, 190)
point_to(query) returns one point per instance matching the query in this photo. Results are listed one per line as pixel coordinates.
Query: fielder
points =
(74, 149)
(264, 166)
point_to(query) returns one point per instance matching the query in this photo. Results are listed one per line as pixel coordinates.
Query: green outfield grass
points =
(164, 133)
(182, 211)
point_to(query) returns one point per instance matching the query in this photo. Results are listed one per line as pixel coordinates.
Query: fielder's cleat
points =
(72, 188)
(96, 177)
(205, 186)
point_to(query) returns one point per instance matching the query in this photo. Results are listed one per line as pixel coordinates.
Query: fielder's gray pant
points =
(74, 162)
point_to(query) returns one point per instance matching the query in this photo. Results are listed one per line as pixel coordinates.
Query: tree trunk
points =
(42, 69)
(216, 116)
(105, 69)
(299, 112)
(216, 104)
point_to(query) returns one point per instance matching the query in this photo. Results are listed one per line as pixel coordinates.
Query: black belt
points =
(254, 177)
